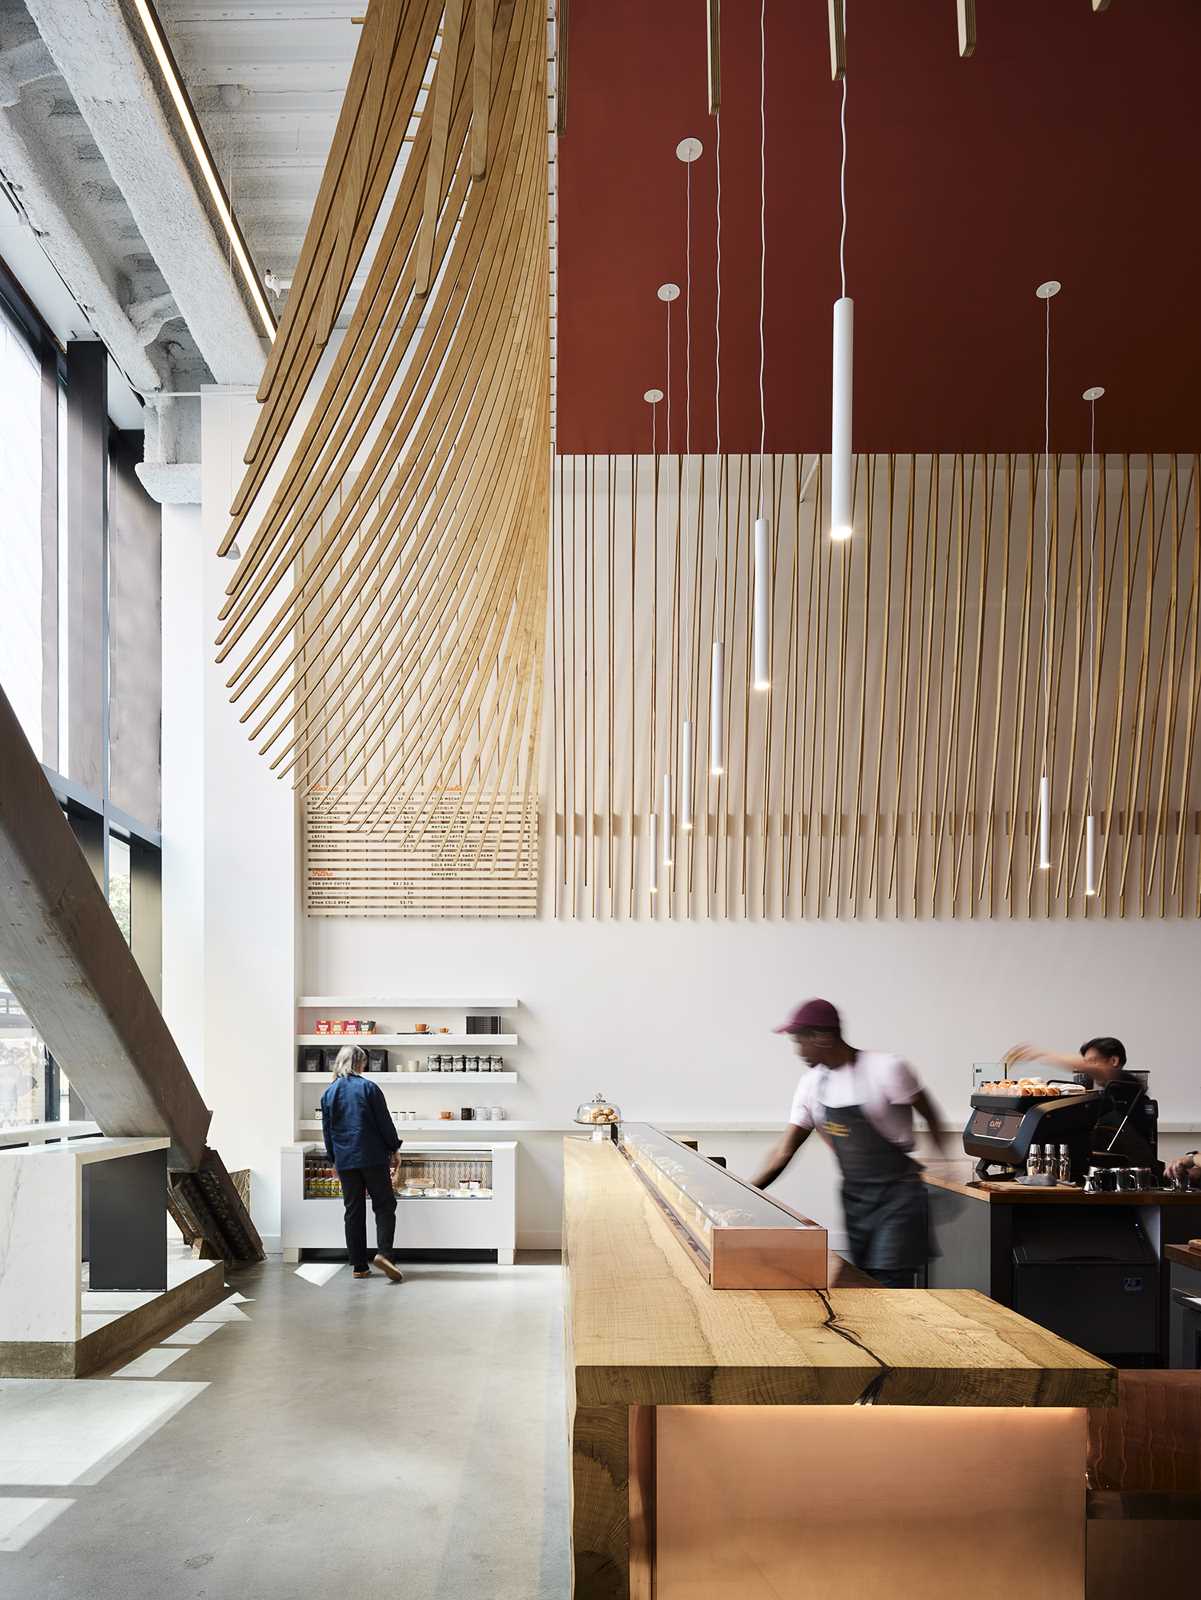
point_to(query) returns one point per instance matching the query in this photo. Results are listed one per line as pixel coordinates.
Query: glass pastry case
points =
(737, 1236)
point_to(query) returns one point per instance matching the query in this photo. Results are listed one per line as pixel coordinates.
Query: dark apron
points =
(883, 1197)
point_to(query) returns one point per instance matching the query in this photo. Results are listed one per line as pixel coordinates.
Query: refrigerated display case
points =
(450, 1198)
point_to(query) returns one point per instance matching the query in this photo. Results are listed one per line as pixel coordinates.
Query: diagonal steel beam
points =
(64, 957)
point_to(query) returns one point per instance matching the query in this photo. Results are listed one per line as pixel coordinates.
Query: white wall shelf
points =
(458, 1041)
(342, 1002)
(388, 1080)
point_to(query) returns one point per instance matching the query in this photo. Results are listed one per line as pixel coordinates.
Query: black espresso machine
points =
(1115, 1126)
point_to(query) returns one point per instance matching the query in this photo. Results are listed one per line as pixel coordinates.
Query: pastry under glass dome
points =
(599, 1114)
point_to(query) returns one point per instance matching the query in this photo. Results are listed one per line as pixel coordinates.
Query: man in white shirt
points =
(862, 1103)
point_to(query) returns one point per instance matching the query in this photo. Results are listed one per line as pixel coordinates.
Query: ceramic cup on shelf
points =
(482, 1114)
(446, 1116)
(497, 1114)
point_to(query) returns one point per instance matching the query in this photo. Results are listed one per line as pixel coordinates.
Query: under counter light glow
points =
(841, 462)
(761, 619)
(1044, 823)
(717, 720)
(162, 54)
(686, 780)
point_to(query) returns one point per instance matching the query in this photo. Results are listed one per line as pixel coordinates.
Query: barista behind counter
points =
(1126, 1133)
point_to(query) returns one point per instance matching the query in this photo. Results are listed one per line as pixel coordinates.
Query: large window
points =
(21, 662)
(80, 644)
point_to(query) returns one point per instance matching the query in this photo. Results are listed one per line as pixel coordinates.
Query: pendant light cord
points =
(762, 229)
(1092, 595)
(1047, 543)
(717, 318)
(842, 185)
(668, 377)
(687, 694)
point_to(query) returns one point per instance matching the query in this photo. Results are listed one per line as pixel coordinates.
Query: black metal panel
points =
(127, 1205)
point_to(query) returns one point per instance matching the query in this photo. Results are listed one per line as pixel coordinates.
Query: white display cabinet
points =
(454, 1221)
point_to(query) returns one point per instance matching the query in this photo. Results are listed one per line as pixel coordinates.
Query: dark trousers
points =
(357, 1184)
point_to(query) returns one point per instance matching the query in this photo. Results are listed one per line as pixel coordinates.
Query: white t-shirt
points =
(883, 1085)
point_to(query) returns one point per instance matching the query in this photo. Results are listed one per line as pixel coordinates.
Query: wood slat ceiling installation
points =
(384, 627)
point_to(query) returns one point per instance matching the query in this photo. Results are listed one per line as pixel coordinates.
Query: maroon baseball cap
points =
(812, 1014)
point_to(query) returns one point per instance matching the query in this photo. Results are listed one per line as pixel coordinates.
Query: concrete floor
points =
(328, 1440)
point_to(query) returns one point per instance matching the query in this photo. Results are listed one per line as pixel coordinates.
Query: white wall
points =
(229, 848)
(674, 1020)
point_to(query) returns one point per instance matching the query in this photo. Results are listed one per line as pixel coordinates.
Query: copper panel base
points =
(810, 1502)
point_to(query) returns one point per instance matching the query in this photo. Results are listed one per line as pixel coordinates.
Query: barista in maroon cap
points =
(862, 1103)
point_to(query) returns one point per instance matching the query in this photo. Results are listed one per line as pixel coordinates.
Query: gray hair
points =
(351, 1058)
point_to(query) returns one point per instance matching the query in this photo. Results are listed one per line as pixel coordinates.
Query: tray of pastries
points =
(1004, 1093)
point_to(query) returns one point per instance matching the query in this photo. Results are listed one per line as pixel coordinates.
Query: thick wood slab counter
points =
(649, 1342)
(957, 1177)
(1184, 1255)
(645, 1329)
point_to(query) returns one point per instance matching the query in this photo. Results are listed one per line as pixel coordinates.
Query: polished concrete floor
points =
(319, 1438)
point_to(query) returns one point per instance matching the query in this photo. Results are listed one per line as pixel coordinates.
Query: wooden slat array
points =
(893, 769)
(478, 860)
(384, 628)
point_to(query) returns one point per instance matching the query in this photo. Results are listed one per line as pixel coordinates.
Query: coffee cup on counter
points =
(1099, 1180)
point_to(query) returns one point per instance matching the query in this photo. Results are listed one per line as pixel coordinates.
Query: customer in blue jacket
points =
(362, 1143)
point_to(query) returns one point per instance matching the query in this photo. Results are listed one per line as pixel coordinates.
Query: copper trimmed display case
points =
(736, 1236)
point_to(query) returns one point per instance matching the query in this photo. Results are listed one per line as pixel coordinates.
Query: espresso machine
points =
(1116, 1125)
(1002, 1128)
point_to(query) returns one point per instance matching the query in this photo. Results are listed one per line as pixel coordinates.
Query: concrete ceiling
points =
(267, 81)
(110, 228)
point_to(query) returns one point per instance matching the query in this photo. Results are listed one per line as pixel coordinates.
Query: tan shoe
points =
(389, 1269)
(365, 1273)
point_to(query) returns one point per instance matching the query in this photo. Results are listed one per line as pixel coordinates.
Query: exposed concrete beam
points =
(65, 959)
(21, 64)
(101, 52)
(46, 197)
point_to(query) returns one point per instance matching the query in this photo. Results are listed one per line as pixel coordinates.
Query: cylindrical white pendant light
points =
(761, 618)
(1090, 855)
(667, 819)
(654, 843)
(841, 470)
(1044, 822)
(686, 780)
(843, 366)
(717, 720)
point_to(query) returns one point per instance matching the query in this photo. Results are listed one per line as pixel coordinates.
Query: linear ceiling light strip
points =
(161, 51)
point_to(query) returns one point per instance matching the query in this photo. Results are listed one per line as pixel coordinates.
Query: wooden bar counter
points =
(725, 1441)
